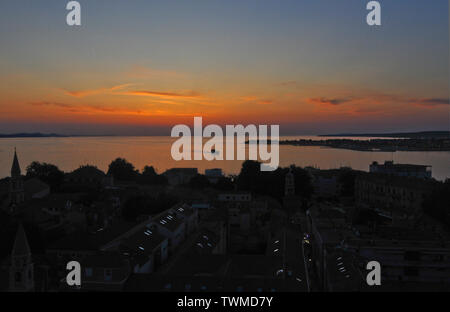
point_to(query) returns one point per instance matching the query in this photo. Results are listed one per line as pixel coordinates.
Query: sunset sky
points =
(139, 67)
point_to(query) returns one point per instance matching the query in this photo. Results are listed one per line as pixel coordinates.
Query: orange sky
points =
(314, 68)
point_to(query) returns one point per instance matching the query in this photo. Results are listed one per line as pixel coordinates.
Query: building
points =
(55, 213)
(402, 170)
(213, 175)
(326, 182)
(188, 214)
(235, 197)
(179, 176)
(36, 189)
(21, 271)
(16, 189)
(78, 245)
(405, 255)
(393, 196)
(88, 176)
(105, 271)
(409, 258)
(146, 249)
(172, 227)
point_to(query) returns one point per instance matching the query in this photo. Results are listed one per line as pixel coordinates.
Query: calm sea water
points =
(69, 153)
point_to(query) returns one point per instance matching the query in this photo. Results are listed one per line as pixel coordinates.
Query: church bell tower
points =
(16, 190)
(21, 271)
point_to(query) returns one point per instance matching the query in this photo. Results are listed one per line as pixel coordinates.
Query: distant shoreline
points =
(405, 135)
(52, 135)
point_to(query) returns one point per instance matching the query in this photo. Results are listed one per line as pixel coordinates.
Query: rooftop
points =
(80, 241)
(143, 241)
(169, 220)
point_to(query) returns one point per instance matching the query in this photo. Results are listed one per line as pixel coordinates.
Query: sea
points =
(69, 153)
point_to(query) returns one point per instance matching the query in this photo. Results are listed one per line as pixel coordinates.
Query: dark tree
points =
(271, 183)
(149, 176)
(249, 178)
(47, 173)
(121, 169)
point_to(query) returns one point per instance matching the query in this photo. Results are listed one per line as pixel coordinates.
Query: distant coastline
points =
(431, 141)
(405, 135)
(48, 135)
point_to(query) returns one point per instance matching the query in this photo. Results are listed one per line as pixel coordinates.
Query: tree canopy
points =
(47, 173)
(123, 170)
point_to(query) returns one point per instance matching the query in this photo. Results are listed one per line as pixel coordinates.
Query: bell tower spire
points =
(16, 190)
(15, 169)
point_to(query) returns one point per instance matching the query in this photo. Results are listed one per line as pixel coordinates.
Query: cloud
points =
(287, 83)
(44, 103)
(330, 101)
(189, 94)
(432, 101)
(83, 93)
(86, 108)
(122, 90)
(256, 100)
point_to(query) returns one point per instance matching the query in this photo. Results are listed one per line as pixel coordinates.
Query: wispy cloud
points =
(380, 99)
(430, 102)
(86, 108)
(330, 101)
(44, 103)
(287, 83)
(123, 89)
(83, 93)
(256, 100)
(161, 94)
